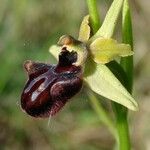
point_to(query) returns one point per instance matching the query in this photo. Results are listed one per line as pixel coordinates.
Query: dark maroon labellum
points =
(50, 86)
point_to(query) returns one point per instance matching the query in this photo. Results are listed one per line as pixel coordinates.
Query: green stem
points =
(122, 127)
(127, 64)
(94, 16)
(120, 111)
(123, 133)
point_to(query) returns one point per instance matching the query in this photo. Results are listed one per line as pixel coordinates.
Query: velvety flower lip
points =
(49, 87)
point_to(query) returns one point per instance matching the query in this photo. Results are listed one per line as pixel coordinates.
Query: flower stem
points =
(121, 114)
(123, 132)
(122, 127)
(127, 64)
(120, 111)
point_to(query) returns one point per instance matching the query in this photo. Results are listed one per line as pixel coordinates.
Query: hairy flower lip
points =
(49, 87)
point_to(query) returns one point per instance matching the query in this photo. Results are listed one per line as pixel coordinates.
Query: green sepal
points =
(103, 82)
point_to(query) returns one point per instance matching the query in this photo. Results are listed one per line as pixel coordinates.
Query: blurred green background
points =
(27, 29)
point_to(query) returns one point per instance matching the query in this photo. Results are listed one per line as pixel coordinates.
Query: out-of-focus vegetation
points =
(27, 29)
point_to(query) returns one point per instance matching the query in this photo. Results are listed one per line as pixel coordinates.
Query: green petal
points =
(105, 50)
(102, 81)
(55, 50)
(84, 33)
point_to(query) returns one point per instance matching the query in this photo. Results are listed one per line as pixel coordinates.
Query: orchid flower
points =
(82, 60)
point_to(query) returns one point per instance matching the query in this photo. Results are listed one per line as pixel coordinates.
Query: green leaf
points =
(105, 50)
(102, 81)
(110, 21)
(84, 32)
